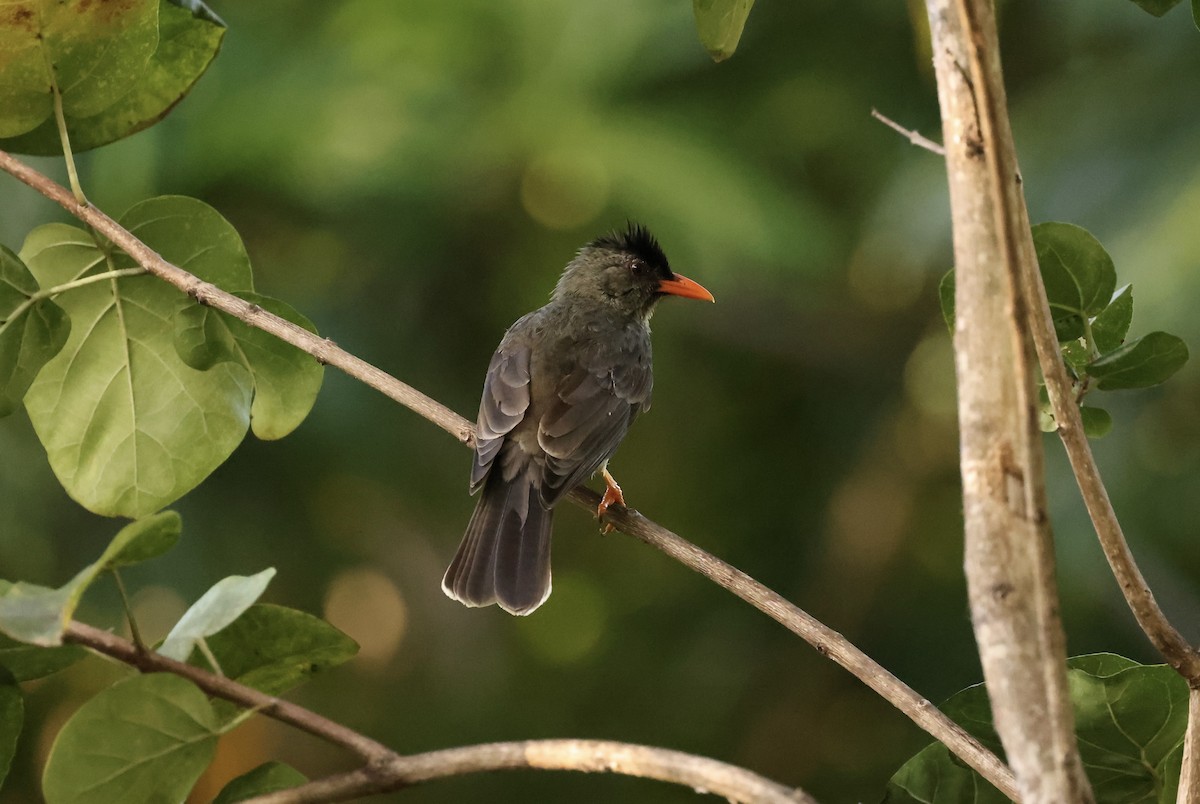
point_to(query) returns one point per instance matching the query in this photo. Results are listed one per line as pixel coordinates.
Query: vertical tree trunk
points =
(1009, 548)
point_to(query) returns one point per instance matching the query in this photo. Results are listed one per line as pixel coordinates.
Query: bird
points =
(560, 392)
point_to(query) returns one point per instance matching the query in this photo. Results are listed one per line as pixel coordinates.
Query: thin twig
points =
(913, 135)
(1174, 648)
(824, 639)
(61, 120)
(150, 662)
(134, 632)
(386, 770)
(1167, 640)
(49, 293)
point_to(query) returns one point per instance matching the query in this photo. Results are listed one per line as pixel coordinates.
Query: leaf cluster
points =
(148, 737)
(137, 391)
(1091, 320)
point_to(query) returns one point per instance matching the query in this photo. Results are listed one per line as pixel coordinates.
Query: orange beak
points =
(682, 286)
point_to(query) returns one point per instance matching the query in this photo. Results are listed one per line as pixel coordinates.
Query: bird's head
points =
(626, 270)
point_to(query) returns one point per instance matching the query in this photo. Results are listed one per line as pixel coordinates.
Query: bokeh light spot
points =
(365, 604)
(157, 609)
(563, 189)
(569, 626)
(929, 376)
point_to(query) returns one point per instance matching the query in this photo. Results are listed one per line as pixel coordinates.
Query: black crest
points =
(636, 240)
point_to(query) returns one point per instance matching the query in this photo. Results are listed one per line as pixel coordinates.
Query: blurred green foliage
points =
(412, 177)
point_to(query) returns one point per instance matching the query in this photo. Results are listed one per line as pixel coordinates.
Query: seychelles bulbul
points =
(561, 391)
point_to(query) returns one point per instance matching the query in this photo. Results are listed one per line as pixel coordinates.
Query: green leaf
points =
(1112, 324)
(194, 236)
(38, 615)
(1129, 719)
(146, 739)
(935, 776)
(1157, 7)
(1131, 725)
(216, 608)
(98, 51)
(946, 297)
(1140, 363)
(12, 717)
(273, 648)
(1101, 665)
(1076, 355)
(201, 337)
(266, 778)
(1196, 14)
(127, 425)
(1097, 422)
(286, 380)
(1078, 274)
(30, 332)
(189, 36)
(27, 662)
(720, 24)
(1046, 421)
(143, 539)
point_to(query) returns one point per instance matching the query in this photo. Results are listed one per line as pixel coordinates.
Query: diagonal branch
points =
(824, 639)
(385, 770)
(208, 294)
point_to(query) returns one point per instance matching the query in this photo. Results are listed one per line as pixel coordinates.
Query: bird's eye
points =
(638, 267)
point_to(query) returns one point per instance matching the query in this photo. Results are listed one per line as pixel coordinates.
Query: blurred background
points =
(413, 176)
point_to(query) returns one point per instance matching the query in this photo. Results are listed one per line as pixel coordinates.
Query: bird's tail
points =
(505, 554)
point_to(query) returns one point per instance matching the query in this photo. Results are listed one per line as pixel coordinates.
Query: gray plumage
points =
(562, 388)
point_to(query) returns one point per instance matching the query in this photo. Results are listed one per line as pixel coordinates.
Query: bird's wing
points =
(505, 400)
(593, 407)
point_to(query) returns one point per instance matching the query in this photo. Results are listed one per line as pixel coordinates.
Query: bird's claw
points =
(612, 495)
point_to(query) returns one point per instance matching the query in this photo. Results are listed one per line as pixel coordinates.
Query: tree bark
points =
(1009, 546)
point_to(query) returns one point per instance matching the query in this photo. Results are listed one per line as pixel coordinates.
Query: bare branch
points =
(824, 639)
(1009, 547)
(386, 770)
(590, 756)
(913, 135)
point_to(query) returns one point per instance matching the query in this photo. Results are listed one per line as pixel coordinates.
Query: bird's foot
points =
(612, 495)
